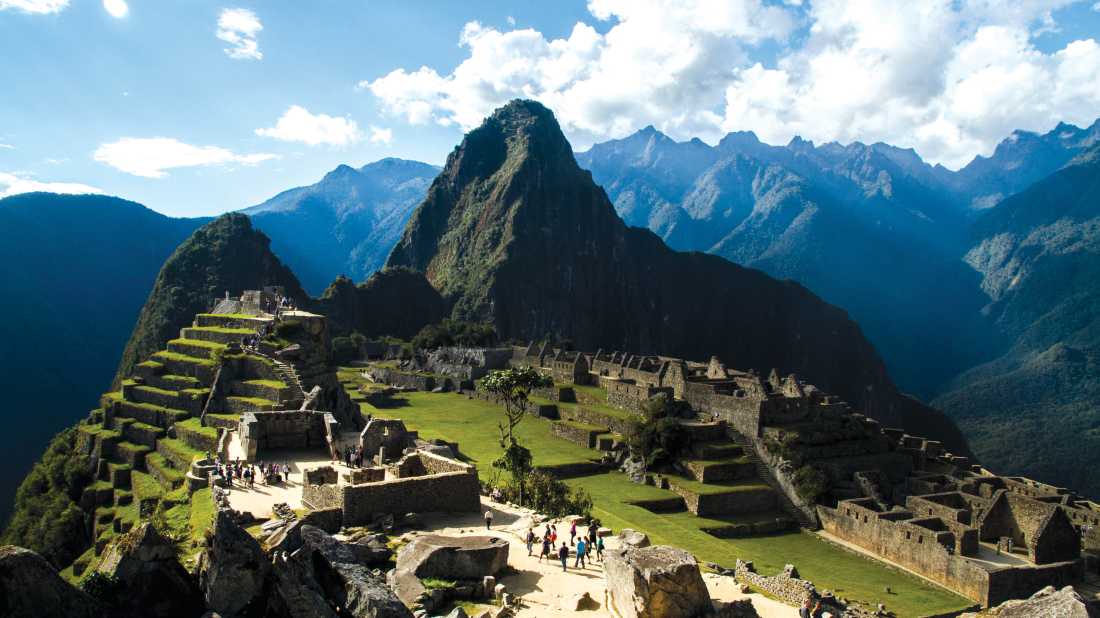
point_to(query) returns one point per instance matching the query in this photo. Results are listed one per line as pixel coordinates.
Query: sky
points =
(196, 108)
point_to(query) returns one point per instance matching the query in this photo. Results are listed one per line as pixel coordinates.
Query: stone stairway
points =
(765, 473)
(289, 375)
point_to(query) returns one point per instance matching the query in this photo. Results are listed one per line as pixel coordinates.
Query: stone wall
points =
(292, 429)
(786, 586)
(444, 485)
(740, 412)
(579, 434)
(906, 546)
(629, 395)
(589, 416)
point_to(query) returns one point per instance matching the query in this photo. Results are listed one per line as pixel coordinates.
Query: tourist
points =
(804, 611)
(563, 555)
(488, 519)
(599, 548)
(582, 548)
(545, 548)
(530, 541)
(335, 454)
(573, 532)
(554, 534)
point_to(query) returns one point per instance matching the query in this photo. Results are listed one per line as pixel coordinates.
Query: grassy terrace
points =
(473, 424)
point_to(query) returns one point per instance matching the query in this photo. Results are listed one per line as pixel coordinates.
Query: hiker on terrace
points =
(563, 555)
(488, 519)
(545, 548)
(599, 548)
(573, 532)
(582, 547)
(530, 540)
(804, 611)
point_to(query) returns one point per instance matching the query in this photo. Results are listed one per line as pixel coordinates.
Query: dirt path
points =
(546, 590)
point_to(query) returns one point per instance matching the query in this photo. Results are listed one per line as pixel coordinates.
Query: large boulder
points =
(232, 568)
(655, 582)
(1064, 603)
(155, 582)
(346, 582)
(633, 538)
(31, 588)
(465, 557)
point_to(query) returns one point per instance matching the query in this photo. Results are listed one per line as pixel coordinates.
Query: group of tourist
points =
(811, 609)
(353, 457)
(584, 545)
(246, 474)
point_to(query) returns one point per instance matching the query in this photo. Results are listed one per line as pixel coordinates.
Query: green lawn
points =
(473, 424)
(828, 566)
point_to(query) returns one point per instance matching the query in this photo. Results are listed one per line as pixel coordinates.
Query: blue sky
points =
(195, 108)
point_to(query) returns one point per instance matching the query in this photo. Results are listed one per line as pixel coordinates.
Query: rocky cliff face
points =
(514, 232)
(226, 254)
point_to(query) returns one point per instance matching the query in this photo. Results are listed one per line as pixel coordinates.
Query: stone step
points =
(230, 321)
(216, 334)
(184, 365)
(702, 431)
(273, 390)
(723, 449)
(708, 471)
(160, 469)
(196, 348)
(132, 454)
(172, 382)
(747, 498)
(238, 405)
(150, 414)
(143, 433)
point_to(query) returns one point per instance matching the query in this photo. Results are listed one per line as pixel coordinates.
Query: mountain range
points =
(346, 223)
(977, 302)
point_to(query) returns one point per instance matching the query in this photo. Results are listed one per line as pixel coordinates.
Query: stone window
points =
(908, 535)
(920, 539)
(864, 519)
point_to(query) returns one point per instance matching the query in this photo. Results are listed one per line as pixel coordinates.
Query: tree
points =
(659, 437)
(511, 387)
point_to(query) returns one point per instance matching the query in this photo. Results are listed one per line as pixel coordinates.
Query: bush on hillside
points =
(455, 333)
(549, 496)
(810, 483)
(659, 438)
(47, 518)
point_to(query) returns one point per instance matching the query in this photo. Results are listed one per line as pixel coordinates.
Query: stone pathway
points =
(545, 589)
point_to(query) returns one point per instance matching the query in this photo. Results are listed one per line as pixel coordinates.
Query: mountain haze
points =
(74, 279)
(346, 223)
(514, 232)
(1034, 409)
(870, 228)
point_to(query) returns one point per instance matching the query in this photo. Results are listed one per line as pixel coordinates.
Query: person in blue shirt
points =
(581, 549)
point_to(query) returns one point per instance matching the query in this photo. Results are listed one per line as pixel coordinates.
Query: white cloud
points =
(297, 124)
(15, 183)
(4, 146)
(947, 77)
(40, 7)
(511, 21)
(239, 28)
(116, 8)
(381, 135)
(151, 157)
(1096, 7)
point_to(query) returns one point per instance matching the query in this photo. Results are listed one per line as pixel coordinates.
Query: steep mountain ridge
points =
(1032, 410)
(75, 277)
(514, 232)
(225, 255)
(345, 223)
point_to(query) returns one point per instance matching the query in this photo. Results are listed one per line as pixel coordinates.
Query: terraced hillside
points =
(148, 440)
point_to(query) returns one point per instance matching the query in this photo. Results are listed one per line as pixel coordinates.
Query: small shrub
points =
(103, 588)
(550, 496)
(810, 483)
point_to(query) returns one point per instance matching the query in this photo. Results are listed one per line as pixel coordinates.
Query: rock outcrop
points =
(471, 557)
(155, 583)
(633, 538)
(349, 585)
(1064, 603)
(232, 568)
(655, 582)
(31, 588)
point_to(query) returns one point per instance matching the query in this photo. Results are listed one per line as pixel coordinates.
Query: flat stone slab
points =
(462, 557)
